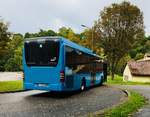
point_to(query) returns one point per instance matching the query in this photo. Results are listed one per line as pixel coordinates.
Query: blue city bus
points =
(57, 64)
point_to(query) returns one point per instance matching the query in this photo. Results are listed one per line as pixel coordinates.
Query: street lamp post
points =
(92, 35)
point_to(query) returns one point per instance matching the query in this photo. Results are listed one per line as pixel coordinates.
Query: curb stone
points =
(13, 91)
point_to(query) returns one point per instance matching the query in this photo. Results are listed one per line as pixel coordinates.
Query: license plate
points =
(42, 85)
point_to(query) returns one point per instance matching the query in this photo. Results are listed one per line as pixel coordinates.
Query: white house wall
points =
(127, 74)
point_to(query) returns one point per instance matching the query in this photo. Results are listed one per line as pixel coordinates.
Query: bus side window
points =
(74, 67)
(68, 71)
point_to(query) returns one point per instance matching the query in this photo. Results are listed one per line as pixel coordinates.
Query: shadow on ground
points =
(61, 95)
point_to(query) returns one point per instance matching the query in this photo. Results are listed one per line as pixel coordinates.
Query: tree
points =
(4, 39)
(69, 34)
(41, 33)
(139, 56)
(122, 64)
(15, 62)
(87, 41)
(63, 31)
(140, 48)
(27, 35)
(147, 46)
(119, 27)
(14, 56)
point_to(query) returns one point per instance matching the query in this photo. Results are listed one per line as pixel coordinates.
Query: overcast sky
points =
(32, 15)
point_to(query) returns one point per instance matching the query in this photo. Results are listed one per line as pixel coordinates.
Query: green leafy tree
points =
(15, 62)
(140, 48)
(14, 56)
(87, 41)
(4, 39)
(147, 46)
(16, 41)
(63, 31)
(119, 27)
(122, 64)
(133, 53)
(41, 33)
(139, 56)
(27, 35)
(69, 34)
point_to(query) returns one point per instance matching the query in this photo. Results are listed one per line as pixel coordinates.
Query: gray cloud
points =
(31, 15)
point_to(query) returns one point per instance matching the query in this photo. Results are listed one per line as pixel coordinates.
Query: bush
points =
(15, 63)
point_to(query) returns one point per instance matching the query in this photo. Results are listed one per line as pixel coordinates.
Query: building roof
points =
(140, 68)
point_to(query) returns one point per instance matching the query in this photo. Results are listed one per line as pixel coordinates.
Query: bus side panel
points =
(74, 82)
(78, 80)
(88, 79)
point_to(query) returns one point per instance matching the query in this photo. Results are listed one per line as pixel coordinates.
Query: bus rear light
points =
(23, 75)
(62, 76)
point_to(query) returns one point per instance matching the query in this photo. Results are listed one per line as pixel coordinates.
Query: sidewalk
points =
(10, 76)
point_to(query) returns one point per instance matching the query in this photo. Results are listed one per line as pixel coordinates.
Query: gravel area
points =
(10, 76)
(50, 104)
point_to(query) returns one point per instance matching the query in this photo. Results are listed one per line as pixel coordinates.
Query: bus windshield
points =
(42, 53)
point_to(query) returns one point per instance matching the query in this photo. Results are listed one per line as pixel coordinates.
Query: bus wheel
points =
(83, 85)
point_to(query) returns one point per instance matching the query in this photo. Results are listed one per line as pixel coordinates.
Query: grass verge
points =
(119, 80)
(7, 86)
(134, 102)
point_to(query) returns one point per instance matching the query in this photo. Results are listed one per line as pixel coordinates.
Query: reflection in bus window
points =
(81, 62)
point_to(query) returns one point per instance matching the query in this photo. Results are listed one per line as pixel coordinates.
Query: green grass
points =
(134, 102)
(7, 86)
(119, 80)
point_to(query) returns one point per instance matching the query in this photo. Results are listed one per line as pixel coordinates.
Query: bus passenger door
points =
(69, 81)
(69, 77)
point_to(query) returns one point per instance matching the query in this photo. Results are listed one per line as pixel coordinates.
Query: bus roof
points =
(66, 42)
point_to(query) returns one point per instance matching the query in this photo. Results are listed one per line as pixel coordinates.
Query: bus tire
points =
(83, 85)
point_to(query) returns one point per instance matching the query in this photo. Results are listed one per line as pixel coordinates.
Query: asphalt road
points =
(50, 104)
